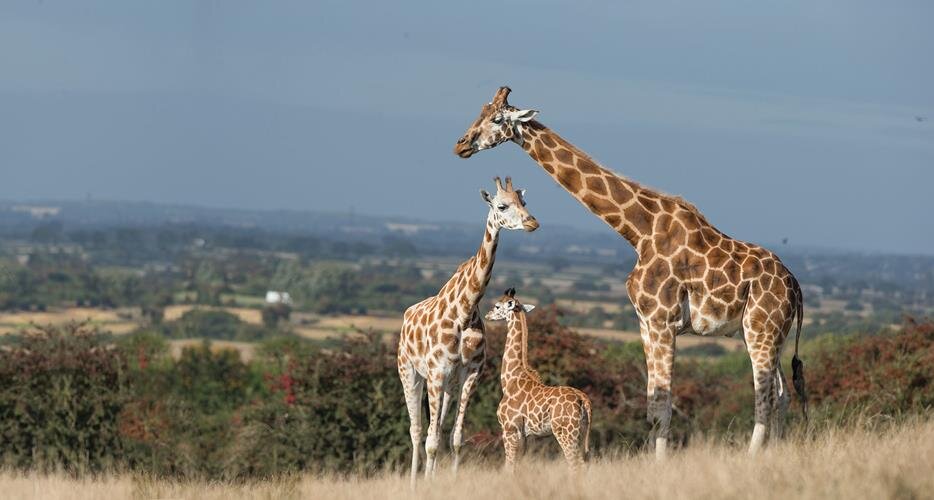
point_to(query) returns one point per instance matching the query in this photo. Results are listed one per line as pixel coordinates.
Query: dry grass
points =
(897, 463)
(117, 321)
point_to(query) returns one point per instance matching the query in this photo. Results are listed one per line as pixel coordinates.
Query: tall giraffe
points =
(689, 277)
(528, 405)
(442, 336)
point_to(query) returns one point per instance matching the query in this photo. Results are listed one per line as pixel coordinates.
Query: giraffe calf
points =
(529, 407)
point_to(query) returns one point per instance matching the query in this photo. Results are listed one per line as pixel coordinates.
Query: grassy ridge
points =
(859, 462)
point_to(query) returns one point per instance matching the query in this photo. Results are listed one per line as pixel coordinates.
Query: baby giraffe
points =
(441, 346)
(528, 405)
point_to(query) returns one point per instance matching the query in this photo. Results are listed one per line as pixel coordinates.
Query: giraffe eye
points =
(502, 208)
(498, 119)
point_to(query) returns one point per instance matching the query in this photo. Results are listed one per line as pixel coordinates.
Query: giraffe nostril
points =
(462, 140)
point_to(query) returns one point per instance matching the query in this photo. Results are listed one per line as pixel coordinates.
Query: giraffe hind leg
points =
(781, 398)
(764, 336)
(468, 378)
(763, 388)
(568, 437)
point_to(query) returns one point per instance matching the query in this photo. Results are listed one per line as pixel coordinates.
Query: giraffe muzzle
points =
(530, 224)
(464, 147)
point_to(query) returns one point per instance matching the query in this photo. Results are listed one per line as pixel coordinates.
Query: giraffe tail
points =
(586, 414)
(797, 366)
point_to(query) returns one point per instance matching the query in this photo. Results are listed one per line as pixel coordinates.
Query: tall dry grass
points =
(897, 462)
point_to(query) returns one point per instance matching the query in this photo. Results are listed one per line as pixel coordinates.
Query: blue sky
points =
(784, 119)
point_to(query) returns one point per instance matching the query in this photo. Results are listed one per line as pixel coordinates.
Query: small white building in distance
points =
(274, 297)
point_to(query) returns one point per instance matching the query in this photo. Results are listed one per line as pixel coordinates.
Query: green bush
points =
(61, 393)
(340, 411)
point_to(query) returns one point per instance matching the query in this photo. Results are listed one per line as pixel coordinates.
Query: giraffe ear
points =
(521, 115)
(528, 307)
(486, 196)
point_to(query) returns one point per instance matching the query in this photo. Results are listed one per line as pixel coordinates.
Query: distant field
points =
(116, 321)
(306, 325)
(247, 315)
(728, 343)
(585, 306)
(378, 323)
(317, 327)
(333, 327)
(835, 464)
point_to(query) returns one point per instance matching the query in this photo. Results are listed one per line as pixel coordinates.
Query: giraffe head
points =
(507, 207)
(506, 306)
(498, 122)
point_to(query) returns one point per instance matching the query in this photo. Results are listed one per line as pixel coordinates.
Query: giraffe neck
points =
(479, 269)
(615, 199)
(515, 356)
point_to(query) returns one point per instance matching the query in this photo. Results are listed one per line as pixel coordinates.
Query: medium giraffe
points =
(528, 405)
(442, 336)
(689, 277)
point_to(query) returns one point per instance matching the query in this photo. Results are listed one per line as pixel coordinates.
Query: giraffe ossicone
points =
(689, 278)
(528, 406)
(441, 344)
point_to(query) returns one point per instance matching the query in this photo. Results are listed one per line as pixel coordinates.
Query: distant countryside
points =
(207, 343)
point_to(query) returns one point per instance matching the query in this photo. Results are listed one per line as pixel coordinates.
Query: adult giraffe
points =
(442, 343)
(689, 277)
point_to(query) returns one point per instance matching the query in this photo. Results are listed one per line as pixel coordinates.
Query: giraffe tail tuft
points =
(797, 366)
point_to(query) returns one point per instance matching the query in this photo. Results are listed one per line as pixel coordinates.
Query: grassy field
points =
(896, 463)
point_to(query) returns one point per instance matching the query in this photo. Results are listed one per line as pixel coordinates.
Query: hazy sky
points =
(793, 119)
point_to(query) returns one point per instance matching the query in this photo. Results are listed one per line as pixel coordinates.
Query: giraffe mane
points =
(677, 200)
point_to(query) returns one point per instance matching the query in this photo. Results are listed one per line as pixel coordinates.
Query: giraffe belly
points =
(709, 325)
(537, 425)
(722, 328)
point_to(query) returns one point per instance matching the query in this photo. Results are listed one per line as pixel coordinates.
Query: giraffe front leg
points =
(512, 443)
(446, 399)
(413, 388)
(435, 392)
(658, 344)
(468, 376)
